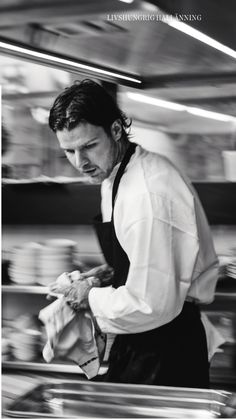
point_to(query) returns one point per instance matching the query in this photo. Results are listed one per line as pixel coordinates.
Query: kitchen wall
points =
(199, 156)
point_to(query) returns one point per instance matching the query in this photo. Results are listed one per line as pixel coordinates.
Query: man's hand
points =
(76, 294)
(75, 291)
(75, 286)
(103, 272)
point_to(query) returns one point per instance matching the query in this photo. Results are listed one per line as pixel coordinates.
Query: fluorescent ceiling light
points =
(73, 64)
(178, 107)
(127, 1)
(183, 27)
(209, 114)
(156, 102)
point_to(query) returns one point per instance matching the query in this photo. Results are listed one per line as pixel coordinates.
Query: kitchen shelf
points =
(219, 375)
(42, 290)
(26, 289)
(52, 367)
(216, 376)
(225, 295)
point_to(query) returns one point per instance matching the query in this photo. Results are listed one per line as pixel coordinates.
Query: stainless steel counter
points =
(73, 399)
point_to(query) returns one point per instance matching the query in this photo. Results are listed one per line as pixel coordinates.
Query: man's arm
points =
(162, 257)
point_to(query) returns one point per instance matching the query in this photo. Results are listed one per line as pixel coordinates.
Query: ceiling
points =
(170, 64)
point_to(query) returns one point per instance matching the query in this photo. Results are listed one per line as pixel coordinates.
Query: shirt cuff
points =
(97, 298)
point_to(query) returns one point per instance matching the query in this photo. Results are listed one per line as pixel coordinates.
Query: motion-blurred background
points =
(171, 64)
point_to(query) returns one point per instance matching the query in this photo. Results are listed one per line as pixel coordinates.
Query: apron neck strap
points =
(124, 162)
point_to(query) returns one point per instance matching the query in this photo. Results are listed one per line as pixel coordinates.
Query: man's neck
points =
(121, 150)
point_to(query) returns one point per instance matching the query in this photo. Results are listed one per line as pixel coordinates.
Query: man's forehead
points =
(76, 137)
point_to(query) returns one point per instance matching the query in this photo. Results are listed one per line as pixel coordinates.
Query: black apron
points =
(174, 354)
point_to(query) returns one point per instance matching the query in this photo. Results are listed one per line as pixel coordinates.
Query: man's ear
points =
(116, 130)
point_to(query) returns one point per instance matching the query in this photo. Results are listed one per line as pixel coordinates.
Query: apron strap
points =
(121, 170)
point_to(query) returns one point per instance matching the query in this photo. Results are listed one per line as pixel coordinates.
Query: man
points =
(155, 236)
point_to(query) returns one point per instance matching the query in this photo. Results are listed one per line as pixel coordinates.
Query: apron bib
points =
(174, 354)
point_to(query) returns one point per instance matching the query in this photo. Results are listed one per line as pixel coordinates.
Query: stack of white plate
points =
(6, 351)
(26, 337)
(23, 268)
(26, 344)
(231, 269)
(56, 257)
(231, 265)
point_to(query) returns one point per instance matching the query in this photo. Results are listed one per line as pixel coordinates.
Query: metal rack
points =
(228, 376)
(38, 289)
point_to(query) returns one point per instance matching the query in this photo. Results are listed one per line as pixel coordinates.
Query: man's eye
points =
(68, 151)
(90, 145)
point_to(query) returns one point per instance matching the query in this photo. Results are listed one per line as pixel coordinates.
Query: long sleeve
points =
(161, 242)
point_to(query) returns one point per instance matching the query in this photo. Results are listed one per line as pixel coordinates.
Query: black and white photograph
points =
(118, 200)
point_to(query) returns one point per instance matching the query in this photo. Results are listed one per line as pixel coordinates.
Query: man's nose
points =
(80, 159)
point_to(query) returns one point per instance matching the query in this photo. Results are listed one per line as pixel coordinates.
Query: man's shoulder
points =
(157, 168)
(163, 178)
(154, 160)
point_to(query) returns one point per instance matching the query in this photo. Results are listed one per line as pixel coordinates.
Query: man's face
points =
(90, 150)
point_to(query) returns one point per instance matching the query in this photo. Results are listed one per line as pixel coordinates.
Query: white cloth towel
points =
(72, 336)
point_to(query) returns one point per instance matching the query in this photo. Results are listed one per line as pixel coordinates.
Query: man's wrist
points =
(93, 281)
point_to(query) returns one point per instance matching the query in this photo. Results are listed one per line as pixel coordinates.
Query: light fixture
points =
(127, 1)
(138, 97)
(209, 114)
(178, 107)
(194, 33)
(51, 59)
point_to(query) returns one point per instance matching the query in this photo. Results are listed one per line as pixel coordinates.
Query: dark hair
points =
(86, 101)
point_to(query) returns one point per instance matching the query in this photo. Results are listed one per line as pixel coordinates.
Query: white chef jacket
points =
(161, 226)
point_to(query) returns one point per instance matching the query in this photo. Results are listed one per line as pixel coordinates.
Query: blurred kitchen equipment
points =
(56, 257)
(26, 345)
(231, 266)
(23, 268)
(6, 349)
(106, 400)
(229, 160)
(25, 338)
(41, 263)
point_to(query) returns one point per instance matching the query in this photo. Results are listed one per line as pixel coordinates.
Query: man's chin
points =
(95, 180)
(96, 177)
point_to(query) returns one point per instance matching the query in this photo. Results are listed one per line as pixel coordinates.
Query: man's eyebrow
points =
(64, 147)
(88, 142)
